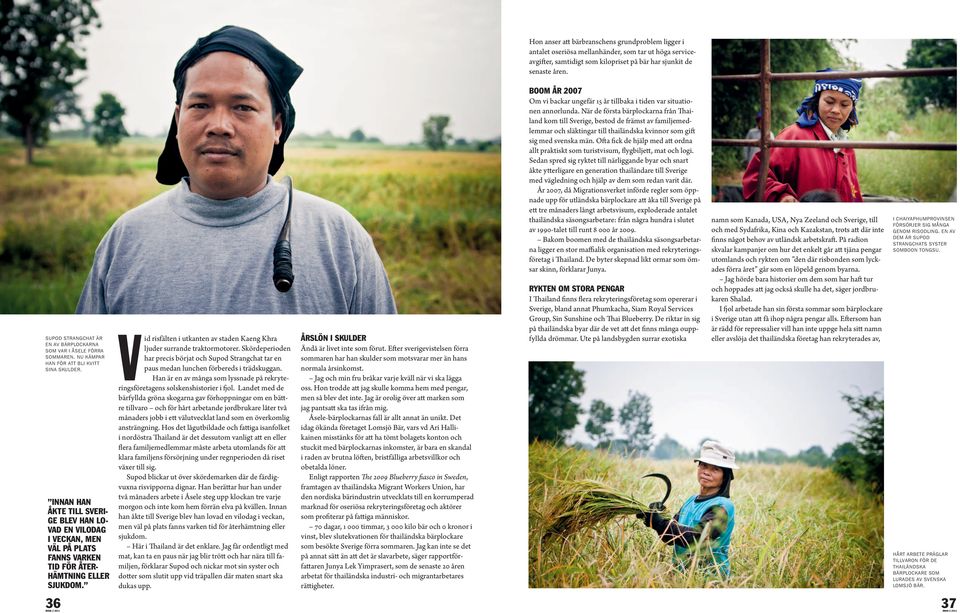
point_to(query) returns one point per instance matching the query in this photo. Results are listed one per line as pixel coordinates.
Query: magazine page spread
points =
(634, 283)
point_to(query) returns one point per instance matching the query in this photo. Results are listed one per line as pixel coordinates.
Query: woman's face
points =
(710, 477)
(834, 108)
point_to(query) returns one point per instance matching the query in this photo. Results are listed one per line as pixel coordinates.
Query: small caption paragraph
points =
(913, 569)
(928, 234)
(72, 352)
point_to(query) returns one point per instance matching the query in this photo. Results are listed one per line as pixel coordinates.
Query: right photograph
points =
(834, 120)
(706, 474)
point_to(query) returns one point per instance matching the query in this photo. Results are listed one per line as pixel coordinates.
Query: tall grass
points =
(796, 526)
(927, 176)
(434, 217)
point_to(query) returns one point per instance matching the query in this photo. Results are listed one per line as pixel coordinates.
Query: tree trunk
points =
(29, 142)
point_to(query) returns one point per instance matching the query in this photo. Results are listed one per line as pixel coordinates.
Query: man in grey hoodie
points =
(213, 243)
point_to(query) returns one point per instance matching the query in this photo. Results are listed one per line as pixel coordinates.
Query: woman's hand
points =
(788, 198)
(646, 518)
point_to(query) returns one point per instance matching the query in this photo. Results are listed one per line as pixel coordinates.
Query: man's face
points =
(226, 128)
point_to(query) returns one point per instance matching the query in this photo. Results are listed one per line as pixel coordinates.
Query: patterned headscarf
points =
(807, 111)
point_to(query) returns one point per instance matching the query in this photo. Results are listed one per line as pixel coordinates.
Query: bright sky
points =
(381, 65)
(745, 405)
(879, 54)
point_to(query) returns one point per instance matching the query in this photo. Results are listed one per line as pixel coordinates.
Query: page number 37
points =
(947, 604)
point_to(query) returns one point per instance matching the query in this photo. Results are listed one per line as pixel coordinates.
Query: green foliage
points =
(598, 425)
(462, 144)
(552, 393)
(435, 134)
(869, 435)
(736, 103)
(939, 92)
(862, 459)
(770, 455)
(796, 526)
(669, 449)
(882, 109)
(634, 417)
(38, 59)
(56, 245)
(357, 136)
(814, 456)
(107, 121)
(27, 293)
(927, 176)
(62, 101)
(848, 462)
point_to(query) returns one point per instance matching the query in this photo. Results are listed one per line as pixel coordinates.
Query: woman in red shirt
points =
(827, 114)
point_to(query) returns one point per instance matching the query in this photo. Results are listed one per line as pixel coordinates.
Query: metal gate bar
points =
(847, 144)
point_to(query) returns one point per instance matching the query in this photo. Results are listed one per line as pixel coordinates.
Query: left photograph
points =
(706, 474)
(246, 164)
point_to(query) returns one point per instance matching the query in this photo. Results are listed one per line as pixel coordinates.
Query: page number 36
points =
(54, 603)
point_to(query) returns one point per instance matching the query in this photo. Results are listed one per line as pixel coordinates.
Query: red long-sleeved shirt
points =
(795, 171)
